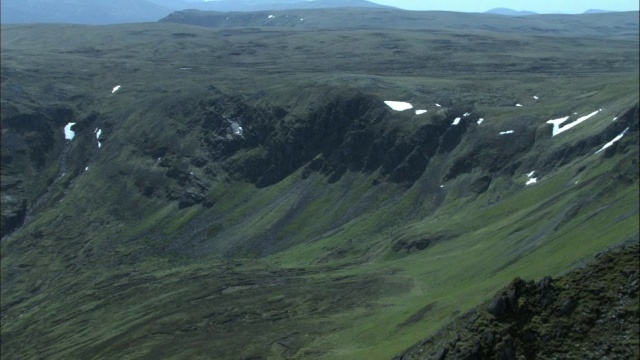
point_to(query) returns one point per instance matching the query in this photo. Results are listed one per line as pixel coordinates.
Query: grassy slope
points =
(589, 312)
(330, 285)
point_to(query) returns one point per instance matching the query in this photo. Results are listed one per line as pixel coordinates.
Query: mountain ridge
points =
(510, 12)
(115, 12)
(582, 25)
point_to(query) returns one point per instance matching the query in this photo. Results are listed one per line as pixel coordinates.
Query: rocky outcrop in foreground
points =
(589, 313)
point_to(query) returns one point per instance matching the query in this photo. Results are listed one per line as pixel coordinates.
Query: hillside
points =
(101, 12)
(589, 313)
(253, 192)
(619, 25)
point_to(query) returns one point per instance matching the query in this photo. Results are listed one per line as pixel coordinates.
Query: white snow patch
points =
(398, 105)
(532, 181)
(614, 140)
(575, 113)
(116, 89)
(87, 168)
(615, 118)
(185, 68)
(456, 121)
(535, 97)
(68, 133)
(441, 186)
(301, 19)
(480, 121)
(506, 132)
(466, 114)
(98, 137)
(236, 128)
(531, 174)
(556, 123)
(519, 105)
(270, 17)
(438, 105)
(420, 112)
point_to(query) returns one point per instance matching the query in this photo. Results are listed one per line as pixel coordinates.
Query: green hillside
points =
(246, 193)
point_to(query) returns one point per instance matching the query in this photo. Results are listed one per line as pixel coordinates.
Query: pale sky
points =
(539, 6)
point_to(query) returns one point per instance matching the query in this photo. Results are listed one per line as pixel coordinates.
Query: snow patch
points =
(236, 128)
(615, 118)
(556, 123)
(98, 137)
(614, 140)
(116, 88)
(519, 105)
(535, 97)
(506, 132)
(68, 133)
(456, 121)
(480, 121)
(438, 105)
(420, 112)
(87, 168)
(270, 17)
(532, 181)
(466, 114)
(531, 174)
(398, 105)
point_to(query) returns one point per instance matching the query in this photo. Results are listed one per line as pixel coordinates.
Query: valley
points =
(244, 192)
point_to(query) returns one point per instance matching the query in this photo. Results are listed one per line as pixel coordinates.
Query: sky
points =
(539, 6)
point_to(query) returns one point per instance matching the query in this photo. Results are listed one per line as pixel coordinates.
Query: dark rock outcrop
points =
(589, 313)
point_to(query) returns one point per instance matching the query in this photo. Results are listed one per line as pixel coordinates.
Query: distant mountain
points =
(178, 4)
(597, 11)
(94, 12)
(317, 4)
(510, 12)
(623, 24)
(99, 12)
(258, 5)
